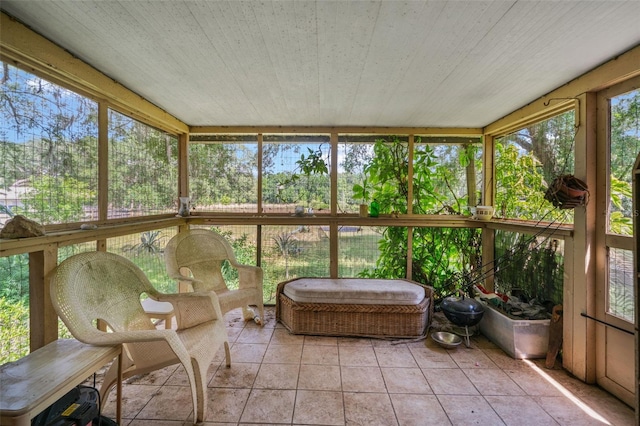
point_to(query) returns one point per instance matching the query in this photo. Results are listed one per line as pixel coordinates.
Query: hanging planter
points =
(567, 192)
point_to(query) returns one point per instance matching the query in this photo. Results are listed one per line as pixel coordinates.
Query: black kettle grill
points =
(463, 312)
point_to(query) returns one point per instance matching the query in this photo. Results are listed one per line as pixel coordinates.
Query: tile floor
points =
(278, 378)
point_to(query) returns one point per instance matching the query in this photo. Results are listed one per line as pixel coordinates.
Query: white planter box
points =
(519, 338)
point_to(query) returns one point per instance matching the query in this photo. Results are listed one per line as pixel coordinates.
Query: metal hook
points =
(577, 116)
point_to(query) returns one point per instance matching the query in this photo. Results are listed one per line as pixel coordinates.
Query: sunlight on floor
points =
(581, 405)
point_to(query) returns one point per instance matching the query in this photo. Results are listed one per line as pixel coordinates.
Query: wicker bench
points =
(355, 307)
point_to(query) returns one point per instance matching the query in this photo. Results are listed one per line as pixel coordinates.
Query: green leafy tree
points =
(142, 166)
(520, 185)
(388, 175)
(221, 173)
(625, 147)
(620, 217)
(14, 271)
(47, 131)
(550, 142)
(67, 195)
(355, 163)
(306, 183)
(440, 255)
(14, 325)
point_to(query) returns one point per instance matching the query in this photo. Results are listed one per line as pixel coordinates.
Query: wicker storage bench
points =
(355, 307)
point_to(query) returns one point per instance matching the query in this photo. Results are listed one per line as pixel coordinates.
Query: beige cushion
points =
(155, 307)
(359, 291)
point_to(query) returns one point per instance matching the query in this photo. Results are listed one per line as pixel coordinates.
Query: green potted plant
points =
(360, 191)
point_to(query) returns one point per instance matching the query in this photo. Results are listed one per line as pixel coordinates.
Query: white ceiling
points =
(338, 63)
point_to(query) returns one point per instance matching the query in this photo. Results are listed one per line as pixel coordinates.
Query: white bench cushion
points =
(364, 291)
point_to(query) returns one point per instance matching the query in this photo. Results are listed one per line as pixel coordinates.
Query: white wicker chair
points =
(104, 286)
(196, 257)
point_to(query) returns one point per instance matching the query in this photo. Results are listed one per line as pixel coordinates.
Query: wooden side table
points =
(34, 382)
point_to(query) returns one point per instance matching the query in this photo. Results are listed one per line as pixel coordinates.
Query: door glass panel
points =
(620, 296)
(624, 147)
(624, 144)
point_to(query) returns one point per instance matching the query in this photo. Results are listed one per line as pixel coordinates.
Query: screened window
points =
(386, 175)
(530, 266)
(223, 173)
(48, 150)
(146, 250)
(295, 174)
(293, 251)
(527, 162)
(447, 175)
(358, 249)
(143, 169)
(355, 154)
(14, 307)
(243, 241)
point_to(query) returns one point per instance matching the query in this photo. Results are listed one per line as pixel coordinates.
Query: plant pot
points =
(364, 210)
(567, 192)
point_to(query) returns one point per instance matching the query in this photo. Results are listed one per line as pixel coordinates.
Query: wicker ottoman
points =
(355, 307)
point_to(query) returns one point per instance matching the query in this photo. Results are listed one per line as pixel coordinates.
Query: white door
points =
(618, 145)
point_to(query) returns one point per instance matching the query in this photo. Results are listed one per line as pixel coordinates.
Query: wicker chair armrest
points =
(249, 276)
(103, 338)
(193, 308)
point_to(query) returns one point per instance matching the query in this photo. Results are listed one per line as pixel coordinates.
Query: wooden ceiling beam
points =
(356, 130)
